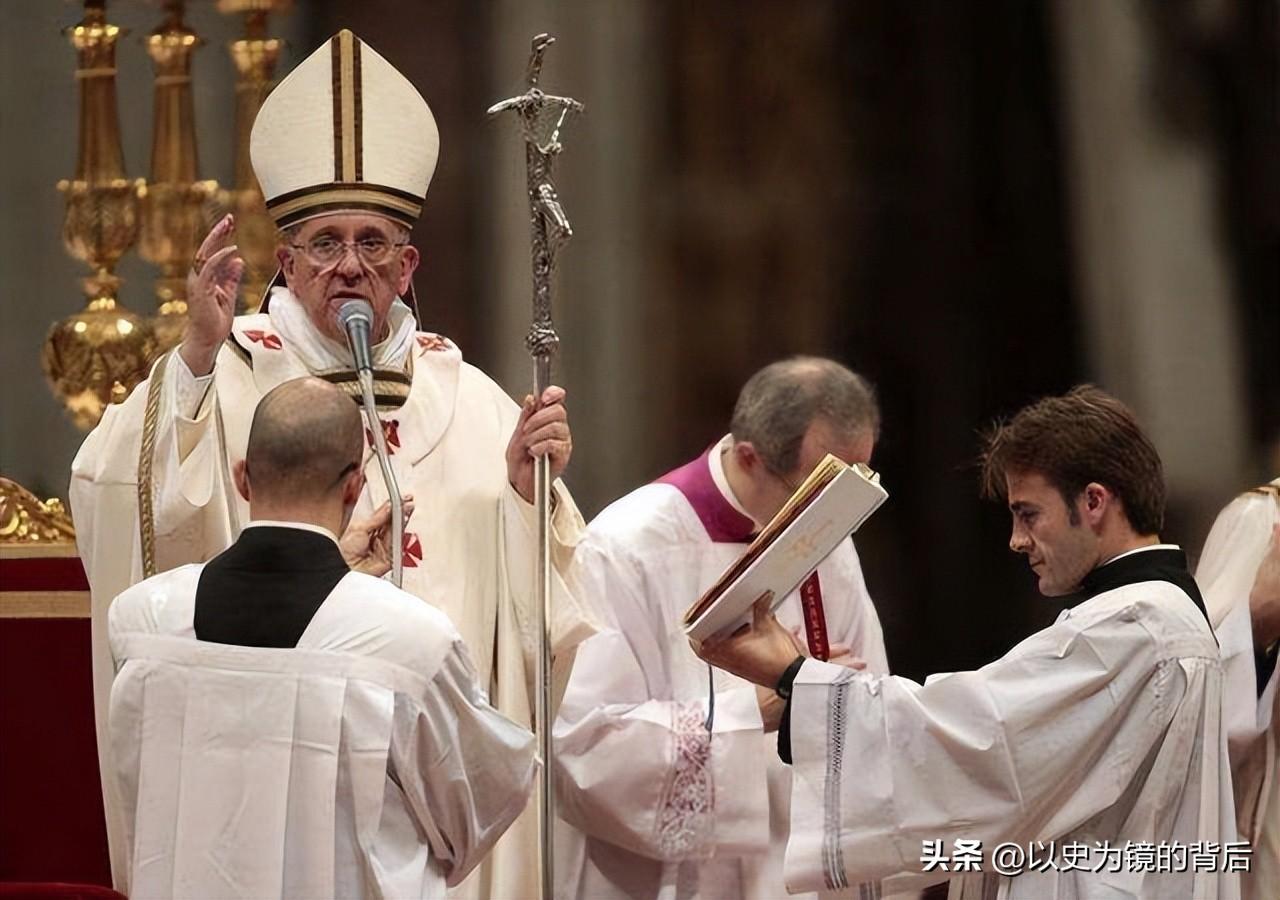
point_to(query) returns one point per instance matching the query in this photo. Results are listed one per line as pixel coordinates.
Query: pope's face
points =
(1060, 547)
(322, 285)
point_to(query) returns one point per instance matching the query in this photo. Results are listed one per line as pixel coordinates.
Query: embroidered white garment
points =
(657, 806)
(469, 546)
(367, 762)
(320, 353)
(317, 352)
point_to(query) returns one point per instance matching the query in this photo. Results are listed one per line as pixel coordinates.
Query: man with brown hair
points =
(1089, 761)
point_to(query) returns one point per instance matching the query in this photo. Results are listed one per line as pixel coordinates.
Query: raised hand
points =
(212, 286)
(541, 430)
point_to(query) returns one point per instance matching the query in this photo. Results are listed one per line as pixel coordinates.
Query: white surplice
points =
(1228, 565)
(367, 762)
(1106, 726)
(659, 807)
(470, 545)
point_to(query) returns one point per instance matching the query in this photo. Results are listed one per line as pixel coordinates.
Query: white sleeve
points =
(466, 770)
(1025, 748)
(189, 390)
(572, 619)
(637, 767)
(1229, 563)
(188, 488)
(188, 403)
(193, 497)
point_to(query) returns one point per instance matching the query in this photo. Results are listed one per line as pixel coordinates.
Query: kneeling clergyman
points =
(284, 727)
(1100, 733)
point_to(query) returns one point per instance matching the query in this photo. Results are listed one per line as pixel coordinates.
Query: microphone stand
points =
(356, 319)
(365, 377)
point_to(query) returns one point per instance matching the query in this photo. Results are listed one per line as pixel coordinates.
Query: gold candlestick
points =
(255, 56)
(173, 202)
(96, 356)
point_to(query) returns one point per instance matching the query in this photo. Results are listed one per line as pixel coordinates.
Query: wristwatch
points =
(783, 687)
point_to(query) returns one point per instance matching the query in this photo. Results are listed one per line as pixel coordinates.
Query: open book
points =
(828, 507)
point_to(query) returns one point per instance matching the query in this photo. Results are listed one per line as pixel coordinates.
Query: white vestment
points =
(470, 545)
(1104, 727)
(661, 808)
(1228, 565)
(367, 762)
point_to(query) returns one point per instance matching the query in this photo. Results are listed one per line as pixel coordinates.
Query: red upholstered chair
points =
(56, 890)
(51, 825)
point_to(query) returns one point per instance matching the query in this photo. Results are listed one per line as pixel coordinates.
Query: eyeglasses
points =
(371, 251)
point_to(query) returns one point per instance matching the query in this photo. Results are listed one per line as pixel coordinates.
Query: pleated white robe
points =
(367, 762)
(657, 806)
(1106, 726)
(1228, 565)
(471, 540)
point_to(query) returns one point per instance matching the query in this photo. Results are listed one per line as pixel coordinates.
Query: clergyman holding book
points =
(666, 771)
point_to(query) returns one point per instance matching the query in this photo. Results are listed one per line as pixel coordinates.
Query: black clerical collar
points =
(292, 525)
(285, 546)
(1162, 562)
(264, 589)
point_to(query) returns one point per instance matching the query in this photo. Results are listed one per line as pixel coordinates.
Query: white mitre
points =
(344, 131)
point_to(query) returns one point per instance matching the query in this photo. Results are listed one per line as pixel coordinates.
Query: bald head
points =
(306, 435)
(778, 404)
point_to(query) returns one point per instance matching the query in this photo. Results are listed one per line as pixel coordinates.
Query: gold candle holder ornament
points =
(25, 519)
(173, 202)
(255, 56)
(98, 355)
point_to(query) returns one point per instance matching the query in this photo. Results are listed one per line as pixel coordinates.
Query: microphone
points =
(356, 319)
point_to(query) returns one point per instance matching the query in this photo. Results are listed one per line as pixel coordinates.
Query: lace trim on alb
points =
(686, 819)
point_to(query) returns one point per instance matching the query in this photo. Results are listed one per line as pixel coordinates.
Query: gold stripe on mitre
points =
(348, 138)
(344, 131)
(291, 208)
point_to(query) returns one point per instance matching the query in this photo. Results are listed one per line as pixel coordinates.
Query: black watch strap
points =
(783, 687)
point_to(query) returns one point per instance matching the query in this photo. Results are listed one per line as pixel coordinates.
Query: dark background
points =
(891, 184)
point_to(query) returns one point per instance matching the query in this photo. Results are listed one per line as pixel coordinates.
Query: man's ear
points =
(352, 485)
(240, 475)
(745, 454)
(285, 258)
(409, 260)
(1095, 502)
